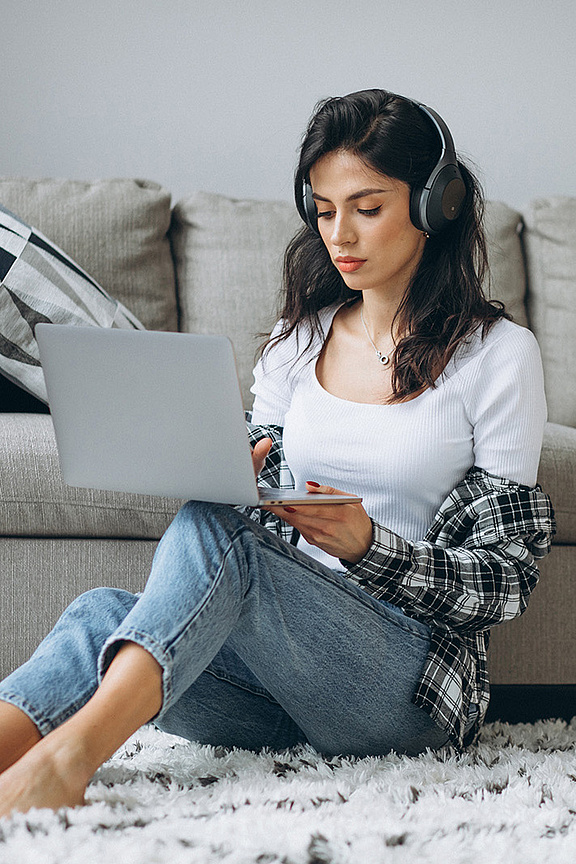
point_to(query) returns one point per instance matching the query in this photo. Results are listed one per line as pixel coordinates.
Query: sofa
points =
(212, 264)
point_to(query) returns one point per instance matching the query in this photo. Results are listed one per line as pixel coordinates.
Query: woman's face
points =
(364, 221)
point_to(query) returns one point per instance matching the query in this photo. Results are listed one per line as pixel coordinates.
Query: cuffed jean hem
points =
(42, 723)
(143, 640)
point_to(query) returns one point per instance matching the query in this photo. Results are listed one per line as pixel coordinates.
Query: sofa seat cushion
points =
(35, 502)
(557, 476)
(116, 230)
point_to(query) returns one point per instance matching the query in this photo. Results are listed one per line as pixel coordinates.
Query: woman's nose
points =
(342, 231)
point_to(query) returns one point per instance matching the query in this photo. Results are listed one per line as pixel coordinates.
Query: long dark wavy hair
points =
(444, 301)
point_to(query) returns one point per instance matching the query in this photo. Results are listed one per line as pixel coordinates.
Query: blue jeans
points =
(259, 644)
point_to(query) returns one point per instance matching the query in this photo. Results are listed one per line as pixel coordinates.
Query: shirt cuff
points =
(388, 553)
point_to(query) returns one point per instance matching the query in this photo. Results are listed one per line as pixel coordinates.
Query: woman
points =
(390, 376)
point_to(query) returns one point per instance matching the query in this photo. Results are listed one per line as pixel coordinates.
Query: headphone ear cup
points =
(415, 199)
(309, 210)
(434, 208)
(445, 198)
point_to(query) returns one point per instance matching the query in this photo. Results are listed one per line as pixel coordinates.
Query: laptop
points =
(156, 413)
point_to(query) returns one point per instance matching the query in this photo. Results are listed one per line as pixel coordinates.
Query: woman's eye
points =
(328, 214)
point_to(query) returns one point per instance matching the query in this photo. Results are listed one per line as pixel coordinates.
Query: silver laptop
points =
(153, 412)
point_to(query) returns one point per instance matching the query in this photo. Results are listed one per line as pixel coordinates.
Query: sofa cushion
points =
(507, 273)
(35, 502)
(557, 476)
(40, 283)
(117, 230)
(228, 256)
(550, 243)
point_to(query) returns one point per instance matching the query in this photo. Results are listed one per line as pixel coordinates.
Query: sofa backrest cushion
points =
(228, 255)
(550, 244)
(39, 283)
(505, 257)
(116, 230)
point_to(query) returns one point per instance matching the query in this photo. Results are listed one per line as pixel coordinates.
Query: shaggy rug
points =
(510, 798)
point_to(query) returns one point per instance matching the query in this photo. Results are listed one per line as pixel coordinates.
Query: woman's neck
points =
(379, 314)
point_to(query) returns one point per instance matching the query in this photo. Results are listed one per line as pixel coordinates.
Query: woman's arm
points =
(475, 567)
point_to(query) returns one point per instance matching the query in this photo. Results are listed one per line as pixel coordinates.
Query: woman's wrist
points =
(364, 545)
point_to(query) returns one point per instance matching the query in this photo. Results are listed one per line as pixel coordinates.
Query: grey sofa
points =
(213, 264)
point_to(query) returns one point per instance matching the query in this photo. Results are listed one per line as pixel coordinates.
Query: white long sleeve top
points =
(487, 410)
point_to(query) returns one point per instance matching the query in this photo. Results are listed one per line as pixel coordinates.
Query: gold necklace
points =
(383, 358)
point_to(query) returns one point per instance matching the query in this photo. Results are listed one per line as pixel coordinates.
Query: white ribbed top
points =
(488, 409)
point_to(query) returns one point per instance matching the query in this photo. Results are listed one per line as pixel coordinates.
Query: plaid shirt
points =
(474, 568)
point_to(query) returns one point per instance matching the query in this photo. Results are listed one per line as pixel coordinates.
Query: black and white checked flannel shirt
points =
(474, 568)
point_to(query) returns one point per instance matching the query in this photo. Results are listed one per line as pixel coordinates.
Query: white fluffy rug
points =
(511, 798)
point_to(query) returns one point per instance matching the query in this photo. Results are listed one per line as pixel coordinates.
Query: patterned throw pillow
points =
(40, 283)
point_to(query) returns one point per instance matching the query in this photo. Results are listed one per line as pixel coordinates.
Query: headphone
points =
(433, 205)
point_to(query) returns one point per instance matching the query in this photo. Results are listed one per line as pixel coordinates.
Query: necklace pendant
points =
(384, 359)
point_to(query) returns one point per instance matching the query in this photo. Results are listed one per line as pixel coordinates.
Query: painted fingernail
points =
(313, 483)
(290, 509)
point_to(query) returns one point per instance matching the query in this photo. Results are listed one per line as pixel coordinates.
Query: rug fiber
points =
(510, 798)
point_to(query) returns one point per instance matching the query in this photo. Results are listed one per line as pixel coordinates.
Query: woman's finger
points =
(259, 453)
(313, 486)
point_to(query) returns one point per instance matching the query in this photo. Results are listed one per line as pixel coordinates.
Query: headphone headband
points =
(443, 131)
(433, 205)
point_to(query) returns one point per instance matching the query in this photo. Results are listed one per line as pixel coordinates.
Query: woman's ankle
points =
(18, 734)
(129, 696)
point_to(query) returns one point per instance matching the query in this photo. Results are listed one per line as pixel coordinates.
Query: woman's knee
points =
(197, 512)
(200, 526)
(100, 606)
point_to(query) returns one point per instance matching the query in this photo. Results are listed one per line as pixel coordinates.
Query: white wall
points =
(214, 94)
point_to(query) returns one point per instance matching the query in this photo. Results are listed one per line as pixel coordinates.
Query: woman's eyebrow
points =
(362, 193)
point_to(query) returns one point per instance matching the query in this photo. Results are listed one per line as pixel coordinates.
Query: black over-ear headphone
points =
(433, 205)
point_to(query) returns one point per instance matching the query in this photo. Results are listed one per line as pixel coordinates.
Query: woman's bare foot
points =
(55, 771)
(52, 774)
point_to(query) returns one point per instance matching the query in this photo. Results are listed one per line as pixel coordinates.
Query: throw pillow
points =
(39, 282)
(15, 400)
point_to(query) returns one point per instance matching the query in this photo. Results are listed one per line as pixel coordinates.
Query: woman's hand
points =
(259, 454)
(341, 530)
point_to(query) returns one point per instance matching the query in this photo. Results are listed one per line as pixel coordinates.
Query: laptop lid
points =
(144, 411)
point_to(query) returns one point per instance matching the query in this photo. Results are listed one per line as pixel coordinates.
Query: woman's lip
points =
(348, 265)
